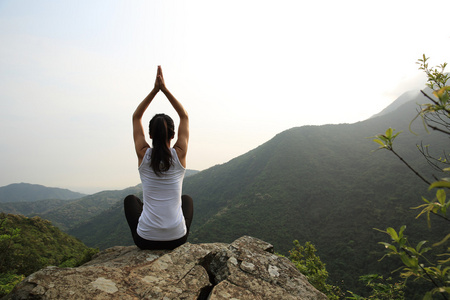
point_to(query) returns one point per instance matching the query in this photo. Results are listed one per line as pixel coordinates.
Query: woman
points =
(163, 219)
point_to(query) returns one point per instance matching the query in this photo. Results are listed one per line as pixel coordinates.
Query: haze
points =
(72, 73)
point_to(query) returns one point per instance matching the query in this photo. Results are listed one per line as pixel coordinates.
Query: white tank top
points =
(162, 218)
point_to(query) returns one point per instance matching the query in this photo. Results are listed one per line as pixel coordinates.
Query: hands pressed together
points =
(160, 85)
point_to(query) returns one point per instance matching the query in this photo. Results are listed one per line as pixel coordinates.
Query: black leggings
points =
(133, 209)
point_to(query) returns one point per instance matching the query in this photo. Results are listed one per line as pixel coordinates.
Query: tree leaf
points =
(441, 195)
(379, 142)
(419, 245)
(389, 133)
(443, 241)
(439, 184)
(391, 231)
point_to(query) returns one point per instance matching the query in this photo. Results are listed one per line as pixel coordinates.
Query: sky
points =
(73, 72)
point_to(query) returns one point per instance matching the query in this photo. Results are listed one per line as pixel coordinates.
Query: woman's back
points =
(162, 218)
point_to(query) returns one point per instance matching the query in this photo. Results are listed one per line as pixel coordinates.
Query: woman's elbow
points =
(184, 115)
(136, 116)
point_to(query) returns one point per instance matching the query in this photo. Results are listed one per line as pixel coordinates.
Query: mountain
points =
(23, 192)
(325, 185)
(82, 210)
(190, 172)
(108, 229)
(52, 208)
(410, 96)
(69, 213)
(32, 208)
(322, 184)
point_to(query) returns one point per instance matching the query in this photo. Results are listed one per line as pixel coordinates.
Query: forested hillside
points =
(29, 244)
(68, 213)
(25, 192)
(79, 211)
(33, 207)
(106, 230)
(321, 184)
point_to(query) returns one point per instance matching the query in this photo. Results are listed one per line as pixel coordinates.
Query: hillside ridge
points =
(27, 192)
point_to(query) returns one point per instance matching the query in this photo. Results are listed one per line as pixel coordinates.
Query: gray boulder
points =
(244, 269)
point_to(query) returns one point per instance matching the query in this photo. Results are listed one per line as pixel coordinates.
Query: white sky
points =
(72, 73)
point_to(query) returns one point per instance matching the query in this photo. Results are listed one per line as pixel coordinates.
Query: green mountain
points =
(25, 192)
(82, 210)
(68, 213)
(322, 184)
(325, 185)
(32, 208)
(107, 229)
(58, 209)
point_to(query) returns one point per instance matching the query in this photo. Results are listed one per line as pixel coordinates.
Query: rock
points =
(244, 269)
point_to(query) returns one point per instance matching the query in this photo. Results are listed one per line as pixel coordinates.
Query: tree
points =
(419, 262)
(29, 244)
(310, 265)
(382, 289)
(8, 278)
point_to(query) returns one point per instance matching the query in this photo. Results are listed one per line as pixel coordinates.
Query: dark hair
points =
(161, 131)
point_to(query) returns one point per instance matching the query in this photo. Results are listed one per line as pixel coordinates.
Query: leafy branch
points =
(435, 115)
(410, 256)
(386, 141)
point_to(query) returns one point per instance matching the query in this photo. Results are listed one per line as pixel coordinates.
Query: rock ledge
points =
(244, 269)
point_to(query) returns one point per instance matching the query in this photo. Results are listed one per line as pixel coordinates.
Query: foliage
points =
(7, 237)
(310, 265)
(381, 288)
(436, 76)
(29, 244)
(111, 229)
(435, 115)
(8, 281)
(434, 268)
(81, 210)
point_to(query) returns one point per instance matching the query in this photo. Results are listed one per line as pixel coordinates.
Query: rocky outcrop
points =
(244, 269)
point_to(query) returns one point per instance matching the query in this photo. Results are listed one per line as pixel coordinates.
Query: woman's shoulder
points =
(175, 158)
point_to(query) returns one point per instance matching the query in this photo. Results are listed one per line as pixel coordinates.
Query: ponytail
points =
(161, 132)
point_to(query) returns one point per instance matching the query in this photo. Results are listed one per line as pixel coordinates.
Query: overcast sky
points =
(72, 73)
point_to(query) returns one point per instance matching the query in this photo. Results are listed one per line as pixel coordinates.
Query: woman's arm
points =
(181, 145)
(140, 143)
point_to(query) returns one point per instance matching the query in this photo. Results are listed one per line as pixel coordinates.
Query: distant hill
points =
(108, 229)
(81, 210)
(25, 192)
(65, 213)
(190, 172)
(32, 208)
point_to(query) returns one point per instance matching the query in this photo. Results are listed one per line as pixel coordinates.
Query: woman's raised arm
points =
(140, 143)
(181, 145)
